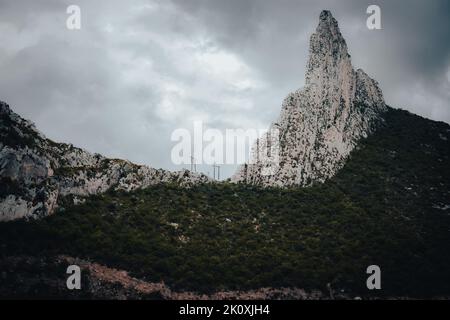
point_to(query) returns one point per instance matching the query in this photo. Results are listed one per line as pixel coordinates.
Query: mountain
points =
(389, 206)
(380, 196)
(322, 123)
(35, 172)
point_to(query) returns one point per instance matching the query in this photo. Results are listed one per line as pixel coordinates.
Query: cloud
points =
(137, 71)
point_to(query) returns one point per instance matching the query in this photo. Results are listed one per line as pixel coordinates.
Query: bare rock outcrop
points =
(320, 124)
(35, 171)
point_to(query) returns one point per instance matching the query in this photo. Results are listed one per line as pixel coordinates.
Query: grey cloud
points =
(134, 72)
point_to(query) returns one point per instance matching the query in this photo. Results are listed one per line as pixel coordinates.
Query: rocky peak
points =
(3, 107)
(321, 123)
(35, 172)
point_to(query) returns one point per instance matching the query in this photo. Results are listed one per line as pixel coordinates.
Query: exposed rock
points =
(24, 273)
(45, 278)
(322, 123)
(35, 171)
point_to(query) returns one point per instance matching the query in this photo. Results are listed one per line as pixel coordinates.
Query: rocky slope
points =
(35, 171)
(322, 123)
(101, 282)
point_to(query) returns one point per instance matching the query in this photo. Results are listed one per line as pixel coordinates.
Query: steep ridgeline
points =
(321, 124)
(35, 171)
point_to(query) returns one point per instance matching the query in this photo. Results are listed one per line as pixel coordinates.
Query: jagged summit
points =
(328, 48)
(321, 123)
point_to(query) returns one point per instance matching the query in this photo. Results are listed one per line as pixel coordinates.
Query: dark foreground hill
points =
(388, 206)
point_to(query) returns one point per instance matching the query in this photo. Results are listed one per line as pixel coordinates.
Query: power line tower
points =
(193, 165)
(215, 166)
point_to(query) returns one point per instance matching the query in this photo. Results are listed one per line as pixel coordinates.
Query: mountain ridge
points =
(36, 171)
(383, 199)
(320, 125)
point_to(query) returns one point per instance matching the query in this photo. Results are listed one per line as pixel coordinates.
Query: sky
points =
(138, 70)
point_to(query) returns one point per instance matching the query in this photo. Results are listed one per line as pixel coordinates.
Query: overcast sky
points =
(137, 70)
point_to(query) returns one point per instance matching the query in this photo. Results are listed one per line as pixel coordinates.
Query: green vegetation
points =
(385, 207)
(71, 171)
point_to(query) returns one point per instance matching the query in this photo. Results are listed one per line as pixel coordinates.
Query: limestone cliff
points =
(320, 124)
(35, 171)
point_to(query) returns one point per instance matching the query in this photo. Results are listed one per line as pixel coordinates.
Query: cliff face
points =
(35, 171)
(321, 124)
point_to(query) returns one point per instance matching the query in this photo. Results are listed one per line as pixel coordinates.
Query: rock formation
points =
(35, 171)
(320, 124)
